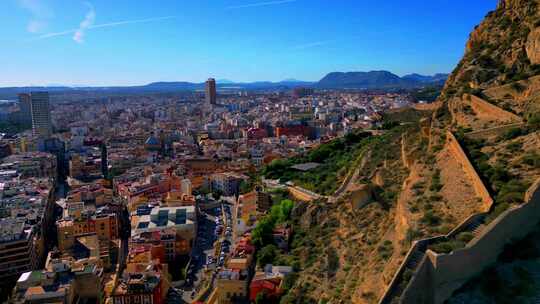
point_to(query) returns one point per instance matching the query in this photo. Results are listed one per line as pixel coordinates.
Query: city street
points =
(203, 253)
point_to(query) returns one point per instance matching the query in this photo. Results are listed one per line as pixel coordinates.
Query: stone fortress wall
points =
(460, 156)
(436, 276)
(487, 109)
(302, 194)
(493, 132)
(439, 275)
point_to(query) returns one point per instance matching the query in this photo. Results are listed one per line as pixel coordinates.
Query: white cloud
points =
(261, 4)
(40, 13)
(85, 24)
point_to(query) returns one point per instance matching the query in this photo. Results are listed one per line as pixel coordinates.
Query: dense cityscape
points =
(400, 165)
(151, 198)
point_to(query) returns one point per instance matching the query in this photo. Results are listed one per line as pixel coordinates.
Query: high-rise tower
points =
(41, 114)
(210, 92)
(25, 108)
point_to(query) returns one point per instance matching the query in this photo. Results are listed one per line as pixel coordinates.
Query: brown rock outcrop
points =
(533, 46)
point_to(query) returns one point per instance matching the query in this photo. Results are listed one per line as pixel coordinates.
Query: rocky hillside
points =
(504, 48)
(349, 250)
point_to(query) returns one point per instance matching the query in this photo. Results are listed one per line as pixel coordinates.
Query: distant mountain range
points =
(377, 80)
(335, 80)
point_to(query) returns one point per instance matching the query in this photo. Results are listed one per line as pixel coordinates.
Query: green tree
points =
(281, 212)
(267, 255)
(262, 233)
(245, 187)
(260, 298)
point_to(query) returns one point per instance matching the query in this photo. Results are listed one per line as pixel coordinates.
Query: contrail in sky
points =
(102, 25)
(261, 4)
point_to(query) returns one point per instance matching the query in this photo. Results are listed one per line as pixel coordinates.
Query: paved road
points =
(202, 249)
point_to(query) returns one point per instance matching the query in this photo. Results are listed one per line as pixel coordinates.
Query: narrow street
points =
(203, 255)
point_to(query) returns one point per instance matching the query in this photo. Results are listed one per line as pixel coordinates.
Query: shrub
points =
(430, 219)
(267, 255)
(531, 159)
(512, 133)
(512, 192)
(500, 208)
(436, 181)
(436, 198)
(386, 249)
(467, 109)
(444, 229)
(441, 247)
(533, 121)
(412, 234)
(514, 147)
(418, 186)
(447, 247)
(465, 237)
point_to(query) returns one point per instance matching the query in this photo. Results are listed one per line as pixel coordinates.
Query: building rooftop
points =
(166, 217)
(306, 166)
(12, 229)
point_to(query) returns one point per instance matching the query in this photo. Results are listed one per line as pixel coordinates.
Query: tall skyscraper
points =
(211, 91)
(41, 114)
(25, 102)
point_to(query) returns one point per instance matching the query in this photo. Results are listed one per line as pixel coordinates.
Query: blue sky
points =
(128, 42)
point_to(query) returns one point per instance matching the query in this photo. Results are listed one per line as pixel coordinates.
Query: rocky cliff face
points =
(504, 48)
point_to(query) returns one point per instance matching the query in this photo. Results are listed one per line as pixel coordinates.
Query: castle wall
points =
(493, 132)
(439, 275)
(454, 269)
(460, 156)
(303, 194)
(421, 278)
(487, 109)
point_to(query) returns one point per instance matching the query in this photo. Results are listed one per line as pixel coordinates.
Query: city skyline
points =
(103, 44)
(269, 151)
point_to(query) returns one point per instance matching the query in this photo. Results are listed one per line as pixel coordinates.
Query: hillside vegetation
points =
(335, 159)
(348, 252)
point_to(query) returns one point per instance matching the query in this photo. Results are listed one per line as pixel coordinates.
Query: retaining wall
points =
(424, 275)
(422, 278)
(460, 156)
(421, 275)
(493, 132)
(439, 275)
(453, 269)
(303, 194)
(487, 109)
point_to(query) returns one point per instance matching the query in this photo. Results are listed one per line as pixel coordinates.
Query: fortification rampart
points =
(302, 194)
(439, 275)
(404, 157)
(399, 286)
(487, 109)
(493, 132)
(479, 188)
(452, 270)
(427, 106)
